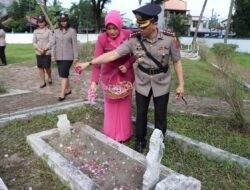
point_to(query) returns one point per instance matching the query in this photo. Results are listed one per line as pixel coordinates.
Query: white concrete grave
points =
(78, 180)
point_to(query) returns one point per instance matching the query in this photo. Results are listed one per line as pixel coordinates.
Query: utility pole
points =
(30, 17)
(42, 6)
(228, 21)
(210, 24)
(199, 21)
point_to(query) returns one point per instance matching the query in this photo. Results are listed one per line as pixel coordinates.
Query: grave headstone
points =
(153, 160)
(63, 126)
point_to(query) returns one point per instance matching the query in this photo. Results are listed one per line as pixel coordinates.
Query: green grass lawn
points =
(2, 89)
(213, 174)
(19, 53)
(200, 77)
(242, 59)
(216, 131)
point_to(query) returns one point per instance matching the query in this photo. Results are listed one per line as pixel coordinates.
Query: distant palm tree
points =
(199, 21)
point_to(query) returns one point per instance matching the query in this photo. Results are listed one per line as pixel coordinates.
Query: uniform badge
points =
(138, 17)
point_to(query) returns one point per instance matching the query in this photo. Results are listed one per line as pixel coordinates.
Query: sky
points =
(217, 7)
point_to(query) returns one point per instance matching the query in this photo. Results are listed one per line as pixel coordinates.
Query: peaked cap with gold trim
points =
(145, 14)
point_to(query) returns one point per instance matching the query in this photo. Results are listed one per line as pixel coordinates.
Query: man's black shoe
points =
(140, 146)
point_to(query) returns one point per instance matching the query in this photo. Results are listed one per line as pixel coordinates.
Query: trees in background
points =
(1, 7)
(86, 14)
(241, 21)
(18, 12)
(177, 22)
(97, 8)
(82, 16)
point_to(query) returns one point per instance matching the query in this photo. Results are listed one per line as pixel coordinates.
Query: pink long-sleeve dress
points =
(117, 113)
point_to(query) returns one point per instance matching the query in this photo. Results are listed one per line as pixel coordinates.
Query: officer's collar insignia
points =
(169, 32)
(135, 34)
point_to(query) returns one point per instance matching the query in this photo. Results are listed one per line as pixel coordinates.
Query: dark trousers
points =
(2, 55)
(160, 114)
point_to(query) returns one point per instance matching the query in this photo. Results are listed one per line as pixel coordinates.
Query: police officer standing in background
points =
(153, 50)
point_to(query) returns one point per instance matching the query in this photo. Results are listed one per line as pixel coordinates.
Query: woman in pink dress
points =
(117, 113)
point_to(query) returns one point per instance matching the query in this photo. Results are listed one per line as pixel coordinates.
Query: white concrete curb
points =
(13, 92)
(2, 185)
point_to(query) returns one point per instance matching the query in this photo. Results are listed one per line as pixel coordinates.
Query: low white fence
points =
(23, 38)
(243, 44)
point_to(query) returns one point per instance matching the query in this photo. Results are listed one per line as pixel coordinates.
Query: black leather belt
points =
(150, 71)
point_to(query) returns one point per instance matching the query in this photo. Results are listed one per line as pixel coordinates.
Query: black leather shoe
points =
(68, 93)
(42, 86)
(50, 82)
(140, 146)
(61, 99)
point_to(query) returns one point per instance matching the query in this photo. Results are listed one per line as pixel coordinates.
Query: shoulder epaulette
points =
(135, 35)
(169, 32)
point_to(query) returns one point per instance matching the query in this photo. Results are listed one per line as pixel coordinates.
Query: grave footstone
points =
(178, 182)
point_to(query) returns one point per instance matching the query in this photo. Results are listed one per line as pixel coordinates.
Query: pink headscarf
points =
(114, 17)
(105, 41)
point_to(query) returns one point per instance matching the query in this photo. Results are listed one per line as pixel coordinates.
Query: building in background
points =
(209, 27)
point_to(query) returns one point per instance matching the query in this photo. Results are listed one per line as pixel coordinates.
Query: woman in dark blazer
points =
(64, 52)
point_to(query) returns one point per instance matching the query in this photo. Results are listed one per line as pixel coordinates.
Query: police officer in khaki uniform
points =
(153, 50)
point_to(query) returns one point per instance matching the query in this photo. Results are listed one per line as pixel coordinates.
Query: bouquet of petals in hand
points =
(78, 69)
(78, 73)
(118, 91)
(91, 95)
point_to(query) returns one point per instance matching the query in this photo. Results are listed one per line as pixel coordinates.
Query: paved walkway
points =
(25, 77)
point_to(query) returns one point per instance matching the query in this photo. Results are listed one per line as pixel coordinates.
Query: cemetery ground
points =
(21, 169)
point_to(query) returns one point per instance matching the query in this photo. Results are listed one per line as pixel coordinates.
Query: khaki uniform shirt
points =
(163, 48)
(42, 39)
(2, 38)
(65, 45)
